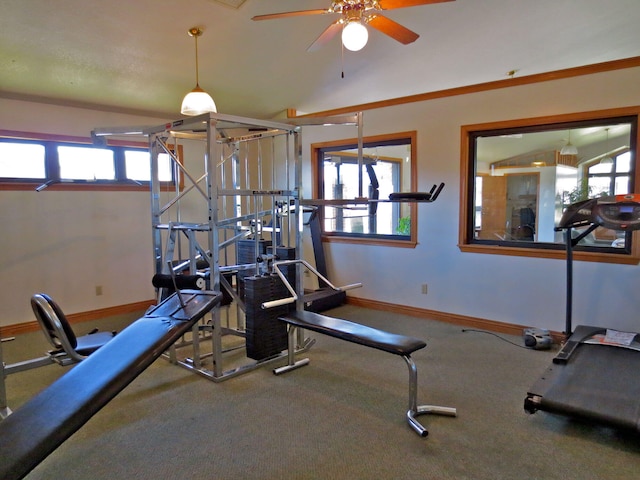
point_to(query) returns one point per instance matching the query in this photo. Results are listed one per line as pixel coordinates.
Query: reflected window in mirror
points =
(520, 176)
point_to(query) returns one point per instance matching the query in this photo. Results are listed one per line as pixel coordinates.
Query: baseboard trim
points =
(27, 327)
(455, 319)
(462, 320)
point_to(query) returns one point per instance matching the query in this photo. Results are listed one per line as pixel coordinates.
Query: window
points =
(518, 177)
(86, 163)
(138, 168)
(388, 165)
(25, 162)
(612, 173)
(22, 160)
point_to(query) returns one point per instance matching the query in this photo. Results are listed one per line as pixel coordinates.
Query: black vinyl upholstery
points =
(354, 332)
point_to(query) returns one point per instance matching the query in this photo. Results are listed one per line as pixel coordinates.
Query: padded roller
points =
(183, 282)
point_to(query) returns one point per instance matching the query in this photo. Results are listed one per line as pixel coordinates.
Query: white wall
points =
(65, 243)
(526, 291)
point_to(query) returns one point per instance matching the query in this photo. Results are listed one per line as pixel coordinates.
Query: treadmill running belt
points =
(599, 383)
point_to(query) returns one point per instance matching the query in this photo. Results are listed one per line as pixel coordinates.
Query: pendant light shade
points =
(569, 148)
(607, 160)
(354, 36)
(197, 101)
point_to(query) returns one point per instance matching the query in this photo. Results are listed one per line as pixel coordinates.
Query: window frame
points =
(612, 175)
(467, 188)
(317, 151)
(52, 180)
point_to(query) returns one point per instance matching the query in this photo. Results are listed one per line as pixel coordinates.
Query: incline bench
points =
(45, 421)
(369, 337)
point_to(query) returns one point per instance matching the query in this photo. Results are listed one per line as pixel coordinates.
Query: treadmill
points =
(594, 376)
(325, 297)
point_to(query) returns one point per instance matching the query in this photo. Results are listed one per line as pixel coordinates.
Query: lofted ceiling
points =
(136, 55)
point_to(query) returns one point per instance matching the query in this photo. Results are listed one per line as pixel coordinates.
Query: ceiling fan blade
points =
(325, 36)
(393, 29)
(271, 16)
(391, 4)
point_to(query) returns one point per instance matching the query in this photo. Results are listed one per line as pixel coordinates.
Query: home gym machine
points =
(233, 209)
(594, 376)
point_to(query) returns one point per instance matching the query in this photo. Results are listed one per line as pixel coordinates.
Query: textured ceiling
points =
(137, 56)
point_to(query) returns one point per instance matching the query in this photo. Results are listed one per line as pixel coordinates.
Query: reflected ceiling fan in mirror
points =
(354, 16)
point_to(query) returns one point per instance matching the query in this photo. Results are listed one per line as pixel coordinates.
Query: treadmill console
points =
(620, 213)
(623, 215)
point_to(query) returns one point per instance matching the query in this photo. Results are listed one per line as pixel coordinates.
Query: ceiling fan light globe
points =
(355, 36)
(197, 102)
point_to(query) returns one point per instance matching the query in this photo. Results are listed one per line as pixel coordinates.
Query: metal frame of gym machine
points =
(239, 193)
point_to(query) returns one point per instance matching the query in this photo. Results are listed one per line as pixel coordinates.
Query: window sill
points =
(370, 241)
(551, 254)
(79, 187)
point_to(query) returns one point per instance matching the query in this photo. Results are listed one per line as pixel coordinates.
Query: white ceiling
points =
(135, 55)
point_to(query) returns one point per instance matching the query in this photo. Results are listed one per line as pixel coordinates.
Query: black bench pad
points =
(354, 332)
(30, 434)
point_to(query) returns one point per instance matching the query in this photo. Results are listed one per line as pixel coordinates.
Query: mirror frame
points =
(317, 148)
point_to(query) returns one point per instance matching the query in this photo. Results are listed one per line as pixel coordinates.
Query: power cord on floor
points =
(495, 335)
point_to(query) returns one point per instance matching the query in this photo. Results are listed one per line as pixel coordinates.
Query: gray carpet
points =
(340, 417)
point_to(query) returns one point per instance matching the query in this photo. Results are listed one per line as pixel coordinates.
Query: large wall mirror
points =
(520, 178)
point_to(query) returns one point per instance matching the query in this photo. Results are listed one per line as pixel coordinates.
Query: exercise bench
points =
(67, 347)
(44, 422)
(367, 336)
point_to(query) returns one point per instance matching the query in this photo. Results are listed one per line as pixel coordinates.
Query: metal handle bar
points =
(294, 295)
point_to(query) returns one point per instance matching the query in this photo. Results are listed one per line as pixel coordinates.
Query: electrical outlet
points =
(98, 290)
(425, 289)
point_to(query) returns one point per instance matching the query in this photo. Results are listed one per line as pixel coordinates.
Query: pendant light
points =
(197, 101)
(569, 148)
(607, 160)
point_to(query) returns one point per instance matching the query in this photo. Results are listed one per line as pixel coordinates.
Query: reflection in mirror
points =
(524, 177)
(387, 167)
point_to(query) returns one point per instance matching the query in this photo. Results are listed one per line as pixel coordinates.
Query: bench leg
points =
(5, 411)
(291, 354)
(414, 409)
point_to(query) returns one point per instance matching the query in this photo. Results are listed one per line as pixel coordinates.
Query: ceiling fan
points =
(354, 15)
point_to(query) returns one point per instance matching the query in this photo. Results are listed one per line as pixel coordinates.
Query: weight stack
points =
(246, 253)
(266, 336)
(246, 249)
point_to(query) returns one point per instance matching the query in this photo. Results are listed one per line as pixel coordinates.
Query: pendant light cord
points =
(197, 79)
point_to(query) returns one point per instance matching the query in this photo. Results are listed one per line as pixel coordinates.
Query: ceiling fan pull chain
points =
(342, 58)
